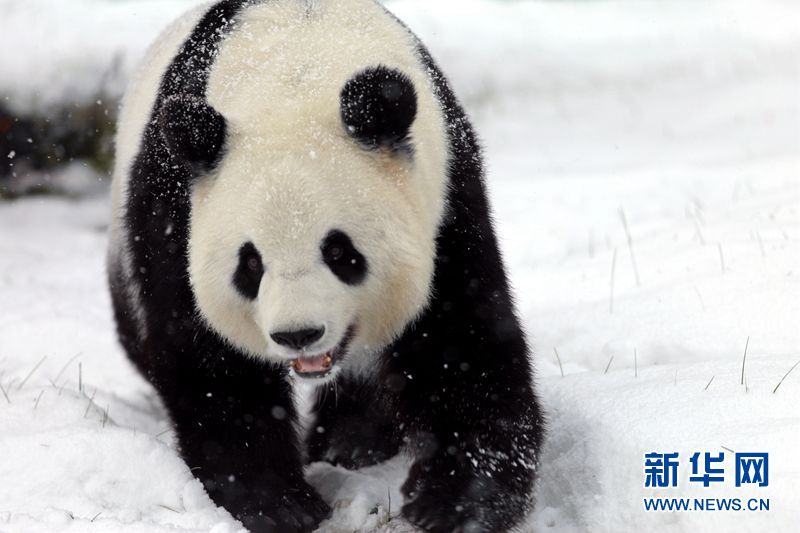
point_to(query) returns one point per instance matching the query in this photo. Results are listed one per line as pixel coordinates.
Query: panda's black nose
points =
(299, 338)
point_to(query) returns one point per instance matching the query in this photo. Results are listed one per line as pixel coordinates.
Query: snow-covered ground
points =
(678, 120)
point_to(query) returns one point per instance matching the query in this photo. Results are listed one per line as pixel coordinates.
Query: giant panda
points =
(299, 197)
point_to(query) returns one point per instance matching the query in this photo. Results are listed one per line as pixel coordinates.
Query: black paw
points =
(439, 501)
(439, 510)
(439, 517)
(295, 510)
(354, 442)
(351, 453)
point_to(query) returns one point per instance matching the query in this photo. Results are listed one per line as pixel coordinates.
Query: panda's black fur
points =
(378, 106)
(455, 389)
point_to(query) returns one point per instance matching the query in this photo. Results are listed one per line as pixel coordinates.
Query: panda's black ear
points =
(378, 107)
(193, 131)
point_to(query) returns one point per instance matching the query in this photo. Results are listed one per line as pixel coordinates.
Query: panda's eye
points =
(250, 270)
(342, 257)
(335, 252)
(254, 263)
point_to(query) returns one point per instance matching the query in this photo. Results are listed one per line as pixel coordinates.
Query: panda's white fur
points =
(291, 173)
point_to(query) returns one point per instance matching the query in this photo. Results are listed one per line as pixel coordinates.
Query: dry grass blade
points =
(611, 283)
(36, 403)
(63, 368)
(698, 230)
(761, 245)
(609, 364)
(89, 405)
(784, 377)
(630, 245)
(700, 297)
(4, 393)
(34, 369)
(559, 361)
(744, 357)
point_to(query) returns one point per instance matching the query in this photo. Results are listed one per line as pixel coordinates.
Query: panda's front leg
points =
(235, 422)
(352, 426)
(475, 429)
(477, 480)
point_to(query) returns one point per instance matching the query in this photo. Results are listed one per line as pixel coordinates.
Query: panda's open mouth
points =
(320, 365)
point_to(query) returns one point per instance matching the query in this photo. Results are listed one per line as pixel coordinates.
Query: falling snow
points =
(644, 135)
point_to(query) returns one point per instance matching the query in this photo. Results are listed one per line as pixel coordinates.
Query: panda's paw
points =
(446, 502)
(432, 515)
(354, 455)
(441, 512)
(297, 510)
(352, 445)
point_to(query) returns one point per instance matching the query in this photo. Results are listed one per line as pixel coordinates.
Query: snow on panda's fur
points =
(297, 192)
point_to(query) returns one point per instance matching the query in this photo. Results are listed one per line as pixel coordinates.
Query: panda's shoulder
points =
(143, 88)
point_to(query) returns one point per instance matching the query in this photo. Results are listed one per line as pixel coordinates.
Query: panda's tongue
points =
(313, 364)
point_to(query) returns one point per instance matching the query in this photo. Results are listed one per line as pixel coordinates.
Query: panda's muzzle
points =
(320, 365)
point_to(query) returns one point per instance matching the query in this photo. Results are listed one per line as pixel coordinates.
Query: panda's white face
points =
(310, 250)
(312, 243)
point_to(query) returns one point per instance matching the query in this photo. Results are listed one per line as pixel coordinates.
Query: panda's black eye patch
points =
(249, 271)
(342, 257)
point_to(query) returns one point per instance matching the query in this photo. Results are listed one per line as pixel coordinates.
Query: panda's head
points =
(312, 237)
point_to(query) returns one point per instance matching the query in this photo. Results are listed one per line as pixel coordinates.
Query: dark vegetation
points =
(33, 146)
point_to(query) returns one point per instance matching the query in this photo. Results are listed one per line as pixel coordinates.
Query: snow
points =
(680, 117)
(76, 50)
